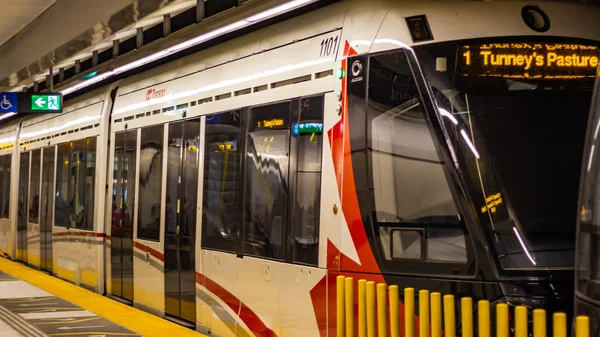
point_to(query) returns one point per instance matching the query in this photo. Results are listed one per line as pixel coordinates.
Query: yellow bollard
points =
(483, 313)
(409, 312)
(582, 326)
(436, 314)
(539, 323)
(371, 309)
(394, 314)
(559, 324)
(449, 316)
(466, 316)
(339, 326)
(349, 290)
(521, 321)
(362, 303)
(424, 313)
(381, 310)
(502, 320)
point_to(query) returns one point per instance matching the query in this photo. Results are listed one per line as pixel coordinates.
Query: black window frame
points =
(421, 266)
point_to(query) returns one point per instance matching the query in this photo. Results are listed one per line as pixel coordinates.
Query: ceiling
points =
(38, 34)
(16, 14)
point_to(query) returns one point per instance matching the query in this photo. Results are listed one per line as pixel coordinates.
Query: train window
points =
(61, 205)
(266, 183)
(5, 166)
(90, 182)
(409, 184)
(150, 183)
(75, 184)
(305, 218)
(34, 186)
(77, 176)
(222, 183)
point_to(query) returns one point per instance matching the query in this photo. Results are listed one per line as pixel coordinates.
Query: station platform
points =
(36, 304)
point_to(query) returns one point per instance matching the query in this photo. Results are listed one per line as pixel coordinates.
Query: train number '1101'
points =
(328, 46)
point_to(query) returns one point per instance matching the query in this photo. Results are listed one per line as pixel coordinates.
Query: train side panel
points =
(8, 162)
(77, 237)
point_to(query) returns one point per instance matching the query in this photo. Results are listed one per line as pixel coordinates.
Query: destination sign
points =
(307, 128)
(270, 123)
(227, 146)
(529, 60)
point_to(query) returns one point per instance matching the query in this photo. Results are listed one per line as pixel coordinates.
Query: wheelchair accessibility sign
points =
(8, 102)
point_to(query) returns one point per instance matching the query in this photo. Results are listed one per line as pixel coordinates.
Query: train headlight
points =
(535, 18)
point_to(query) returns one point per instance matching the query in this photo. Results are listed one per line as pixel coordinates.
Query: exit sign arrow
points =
(40, 102)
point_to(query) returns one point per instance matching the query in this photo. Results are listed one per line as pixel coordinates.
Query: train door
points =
(23, 202)
(46, 209)
(180, 220)
(121, 246)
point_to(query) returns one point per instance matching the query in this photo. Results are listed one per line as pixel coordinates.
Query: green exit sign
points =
(48, 102)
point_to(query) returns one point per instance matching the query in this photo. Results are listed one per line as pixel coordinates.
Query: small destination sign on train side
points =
(24, 102)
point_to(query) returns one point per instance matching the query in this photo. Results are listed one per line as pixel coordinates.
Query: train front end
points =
(467, 146)
(587, 269)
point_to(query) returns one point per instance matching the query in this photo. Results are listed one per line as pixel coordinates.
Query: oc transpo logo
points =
(153, 93)
(357, 69)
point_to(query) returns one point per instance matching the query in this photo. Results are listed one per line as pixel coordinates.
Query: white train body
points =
(297, 58)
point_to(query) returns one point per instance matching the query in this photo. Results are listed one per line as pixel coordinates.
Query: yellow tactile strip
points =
(128, 317)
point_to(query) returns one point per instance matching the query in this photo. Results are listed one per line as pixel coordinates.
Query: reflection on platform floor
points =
(48, 306)
(26, 310)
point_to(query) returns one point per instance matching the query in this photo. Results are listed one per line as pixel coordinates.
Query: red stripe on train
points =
(150, 250)
(73, 233)
(254, 323)
(339, 137)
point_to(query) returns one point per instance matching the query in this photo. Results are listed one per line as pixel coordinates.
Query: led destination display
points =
(529, 60)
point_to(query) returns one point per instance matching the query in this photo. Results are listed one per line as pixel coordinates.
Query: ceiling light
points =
(277, 10)
(191, 42)
(207, 36)
(6, 115)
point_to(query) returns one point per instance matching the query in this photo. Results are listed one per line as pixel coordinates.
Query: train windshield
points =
(515, 115)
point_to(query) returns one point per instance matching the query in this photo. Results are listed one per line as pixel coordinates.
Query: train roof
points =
(368, 26)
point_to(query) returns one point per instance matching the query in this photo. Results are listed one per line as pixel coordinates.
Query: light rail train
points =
(587, 273)
(436, 145)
